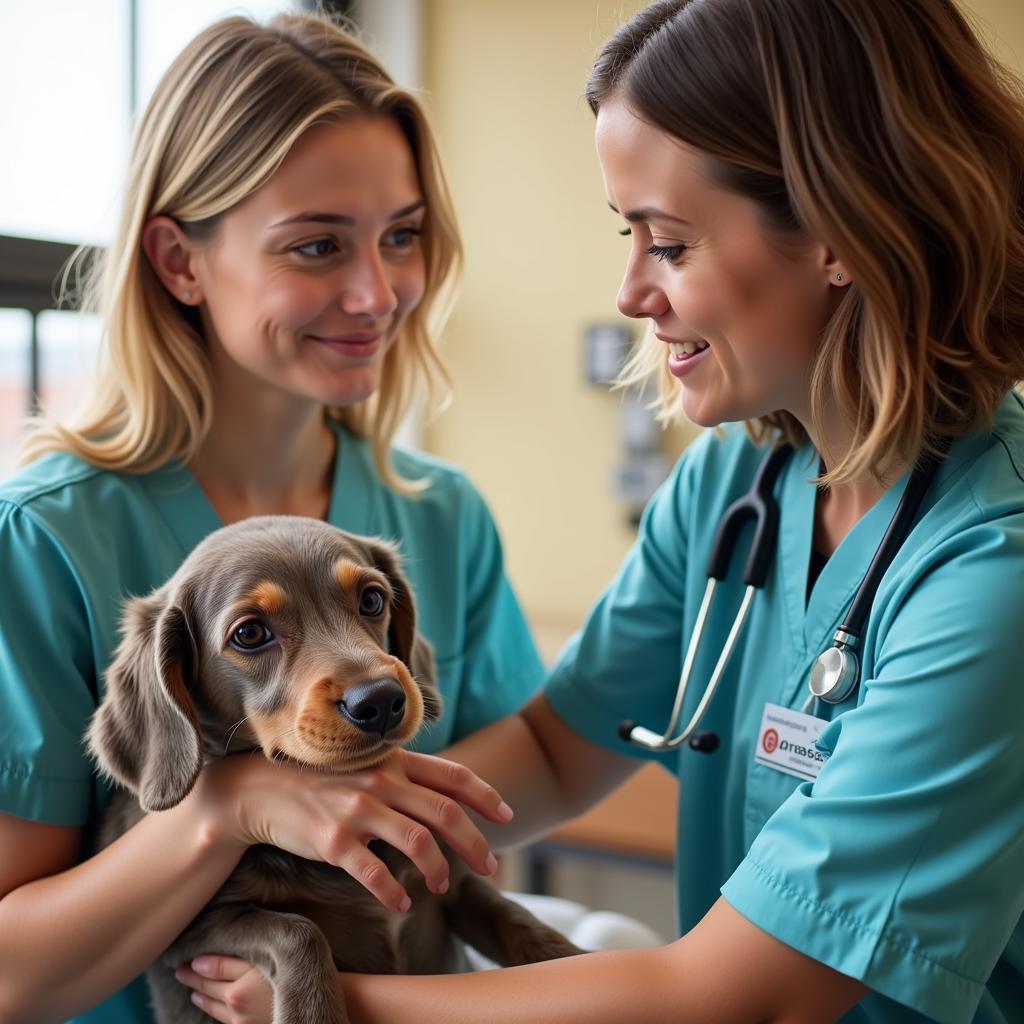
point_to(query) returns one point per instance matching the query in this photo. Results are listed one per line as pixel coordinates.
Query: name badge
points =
(786, 742)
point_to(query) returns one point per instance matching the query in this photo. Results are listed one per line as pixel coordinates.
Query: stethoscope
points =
(836, 672)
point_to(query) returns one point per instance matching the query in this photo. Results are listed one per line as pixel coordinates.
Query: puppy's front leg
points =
(503, 931)
(289, 949)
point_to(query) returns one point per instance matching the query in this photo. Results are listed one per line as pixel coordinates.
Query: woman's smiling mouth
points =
(683, 356)
(356, 345)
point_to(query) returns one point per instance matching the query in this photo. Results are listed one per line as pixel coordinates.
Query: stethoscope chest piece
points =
(836, 671)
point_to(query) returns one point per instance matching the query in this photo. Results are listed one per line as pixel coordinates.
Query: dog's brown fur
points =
(179, 693)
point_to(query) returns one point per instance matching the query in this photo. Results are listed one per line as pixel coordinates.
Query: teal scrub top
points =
(76, 540)
(902, 864)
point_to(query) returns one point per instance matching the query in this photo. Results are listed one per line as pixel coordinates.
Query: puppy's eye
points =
(371, 603)
(251, 635)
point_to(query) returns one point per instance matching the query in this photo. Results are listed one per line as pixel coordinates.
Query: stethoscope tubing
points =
(897, 531)
(651, 740)
(759, 504)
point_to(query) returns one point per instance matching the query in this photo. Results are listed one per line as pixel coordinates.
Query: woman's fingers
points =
(406, 802)
(434, 800)
(373, 875)
(413, 838)
(213, 1008)
(458, 782)
(212, 974)
(228, 989)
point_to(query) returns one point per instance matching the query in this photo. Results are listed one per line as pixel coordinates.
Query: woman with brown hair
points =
(825, 205)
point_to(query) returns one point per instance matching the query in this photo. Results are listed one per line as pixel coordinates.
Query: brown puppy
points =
(289, 636)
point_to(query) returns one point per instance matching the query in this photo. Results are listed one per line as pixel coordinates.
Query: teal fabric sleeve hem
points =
(579, 710)
(57, 802)
(851, 947)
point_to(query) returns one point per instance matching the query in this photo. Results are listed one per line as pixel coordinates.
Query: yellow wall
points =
(1001, 24)
(505, 82)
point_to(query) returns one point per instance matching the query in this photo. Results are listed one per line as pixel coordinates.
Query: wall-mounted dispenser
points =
(643, 466)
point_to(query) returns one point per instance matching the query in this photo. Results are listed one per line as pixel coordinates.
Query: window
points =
(76, 71)
(15, 374)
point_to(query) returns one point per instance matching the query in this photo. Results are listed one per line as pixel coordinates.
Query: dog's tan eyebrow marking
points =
(349, 574)
(269, 596)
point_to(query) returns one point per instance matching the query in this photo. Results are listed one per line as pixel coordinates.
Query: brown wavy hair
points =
(222, 120)
(884, 129)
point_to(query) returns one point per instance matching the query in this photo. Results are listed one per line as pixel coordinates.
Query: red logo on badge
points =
(770, 740)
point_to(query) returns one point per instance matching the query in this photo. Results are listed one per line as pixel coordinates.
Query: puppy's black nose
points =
(377, 706)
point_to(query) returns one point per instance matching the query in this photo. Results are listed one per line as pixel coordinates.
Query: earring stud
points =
(839, 278)
(187, 296)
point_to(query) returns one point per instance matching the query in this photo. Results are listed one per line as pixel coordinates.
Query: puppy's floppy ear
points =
(406, 642)
(145, 734)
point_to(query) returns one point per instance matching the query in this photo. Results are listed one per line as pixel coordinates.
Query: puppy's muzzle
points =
(375, 707)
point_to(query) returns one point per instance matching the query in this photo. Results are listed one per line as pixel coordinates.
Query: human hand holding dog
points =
(229, 989)
(332, 817)
(405, 801)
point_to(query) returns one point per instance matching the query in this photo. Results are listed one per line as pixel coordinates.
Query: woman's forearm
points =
(69, 941)
(724, 971)
(546, 772)
(592, 989)
(507, 755)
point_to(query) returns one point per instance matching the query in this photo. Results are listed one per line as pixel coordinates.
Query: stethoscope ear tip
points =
(626, 730)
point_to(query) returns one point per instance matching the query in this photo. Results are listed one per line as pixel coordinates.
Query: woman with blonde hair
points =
(826, 207)
(284, 259)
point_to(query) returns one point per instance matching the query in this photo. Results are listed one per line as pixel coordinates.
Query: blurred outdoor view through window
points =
(72, 77)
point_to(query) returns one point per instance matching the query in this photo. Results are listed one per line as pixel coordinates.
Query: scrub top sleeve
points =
(46, 697)
(501, 668)
(625, 662)
(901, 864)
